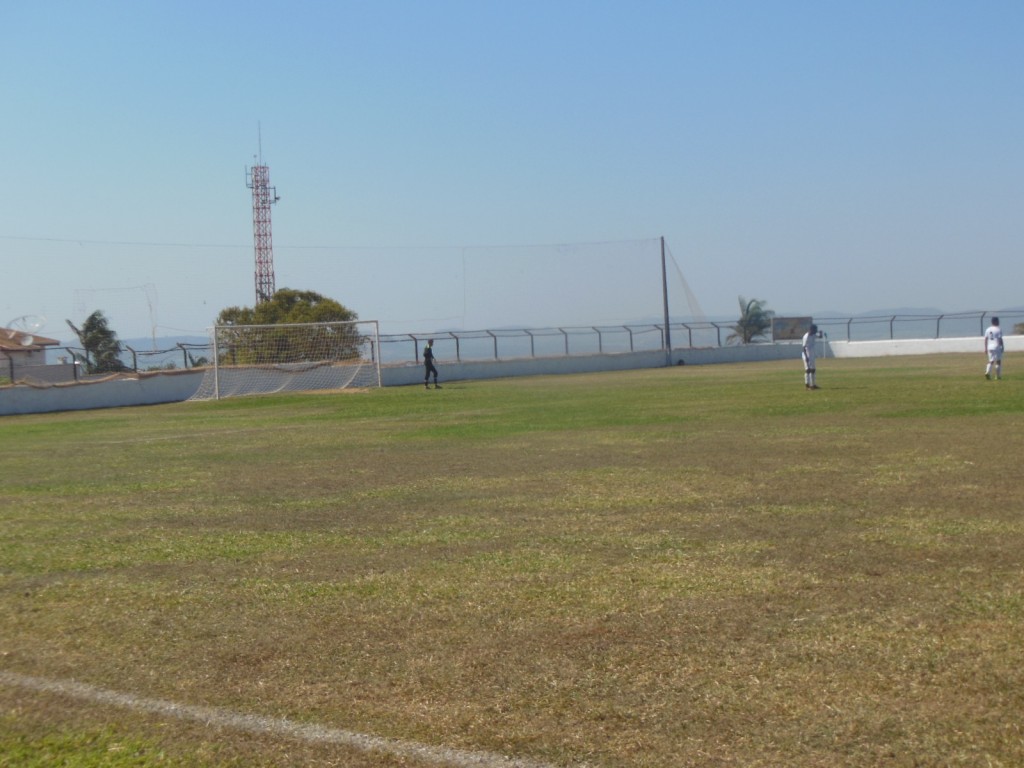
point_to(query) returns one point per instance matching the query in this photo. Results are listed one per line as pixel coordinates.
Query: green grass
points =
(692, 566)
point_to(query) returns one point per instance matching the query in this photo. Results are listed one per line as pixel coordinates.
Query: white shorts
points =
(995, 355)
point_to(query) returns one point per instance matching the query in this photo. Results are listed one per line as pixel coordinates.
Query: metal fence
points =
(890, 327)
(512, 343)
(180, 356)
(41, 373)
(545, 342)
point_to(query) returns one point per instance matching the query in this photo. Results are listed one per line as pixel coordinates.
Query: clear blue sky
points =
(822, 156)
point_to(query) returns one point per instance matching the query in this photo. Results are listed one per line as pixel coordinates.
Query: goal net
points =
(293, 357)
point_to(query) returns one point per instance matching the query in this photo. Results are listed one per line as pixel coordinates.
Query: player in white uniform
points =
(809, 353)
(994, 350)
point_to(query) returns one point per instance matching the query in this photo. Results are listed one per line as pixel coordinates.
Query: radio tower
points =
(263, 196)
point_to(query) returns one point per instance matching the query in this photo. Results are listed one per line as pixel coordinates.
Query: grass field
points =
(692, 566)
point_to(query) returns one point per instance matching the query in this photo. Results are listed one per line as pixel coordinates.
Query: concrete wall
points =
(175, 386)
(393, 376)
(54, 373)
(112, 393)
(14, 362)
(916, 347)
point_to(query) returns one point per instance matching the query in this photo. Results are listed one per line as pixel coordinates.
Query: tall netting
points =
(130, 311)
(465, 288)
(261, 359)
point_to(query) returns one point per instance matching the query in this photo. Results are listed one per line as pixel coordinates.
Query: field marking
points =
(270, 726)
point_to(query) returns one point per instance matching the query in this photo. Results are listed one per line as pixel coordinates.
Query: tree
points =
(100, 343)
(755, 321)
(250, 345)
(288, 306)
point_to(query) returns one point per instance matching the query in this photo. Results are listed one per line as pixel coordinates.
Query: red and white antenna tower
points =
(263, 196)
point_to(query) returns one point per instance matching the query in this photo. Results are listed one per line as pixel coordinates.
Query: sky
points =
(477, 164)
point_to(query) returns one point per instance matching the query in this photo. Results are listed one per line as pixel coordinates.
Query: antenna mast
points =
(263, 196)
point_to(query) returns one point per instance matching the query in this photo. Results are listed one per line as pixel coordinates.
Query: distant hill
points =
(150, 344)
(163, 342)
(928, 311)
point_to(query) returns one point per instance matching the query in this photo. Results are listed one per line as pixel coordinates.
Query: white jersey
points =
(993, 338)
(810, 340)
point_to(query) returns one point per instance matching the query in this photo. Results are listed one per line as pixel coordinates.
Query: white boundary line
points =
(269, 726)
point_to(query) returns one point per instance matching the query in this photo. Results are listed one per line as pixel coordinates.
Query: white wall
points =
(492, 369)
(917, 346)
(146, 390)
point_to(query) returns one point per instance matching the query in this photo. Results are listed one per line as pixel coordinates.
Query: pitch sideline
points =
(273, 726)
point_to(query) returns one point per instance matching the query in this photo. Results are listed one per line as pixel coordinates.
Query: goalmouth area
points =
(291, 357)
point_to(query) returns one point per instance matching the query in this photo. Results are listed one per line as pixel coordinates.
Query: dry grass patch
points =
(699, 566)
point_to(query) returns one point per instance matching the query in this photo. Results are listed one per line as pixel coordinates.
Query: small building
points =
(21, 353)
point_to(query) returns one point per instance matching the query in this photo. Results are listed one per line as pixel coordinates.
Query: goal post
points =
(291, 357)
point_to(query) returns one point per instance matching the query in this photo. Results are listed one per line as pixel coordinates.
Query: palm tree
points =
(101, 345)
(755, 321)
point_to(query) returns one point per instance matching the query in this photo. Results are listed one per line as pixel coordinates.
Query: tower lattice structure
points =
(263, 196)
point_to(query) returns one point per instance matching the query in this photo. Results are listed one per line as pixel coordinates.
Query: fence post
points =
(664, 298)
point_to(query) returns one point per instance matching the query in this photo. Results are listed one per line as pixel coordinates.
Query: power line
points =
(134, 243)
(152, 244)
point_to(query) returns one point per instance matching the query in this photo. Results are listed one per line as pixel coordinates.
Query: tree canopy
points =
(755, 321)
(288, 306)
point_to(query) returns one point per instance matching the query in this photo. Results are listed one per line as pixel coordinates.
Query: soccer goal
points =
(293, 357)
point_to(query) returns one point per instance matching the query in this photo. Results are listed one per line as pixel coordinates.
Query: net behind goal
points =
(261, 359)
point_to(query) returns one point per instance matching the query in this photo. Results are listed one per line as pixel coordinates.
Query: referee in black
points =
(428, 365)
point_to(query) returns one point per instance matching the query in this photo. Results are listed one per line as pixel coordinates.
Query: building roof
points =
(21, 341)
